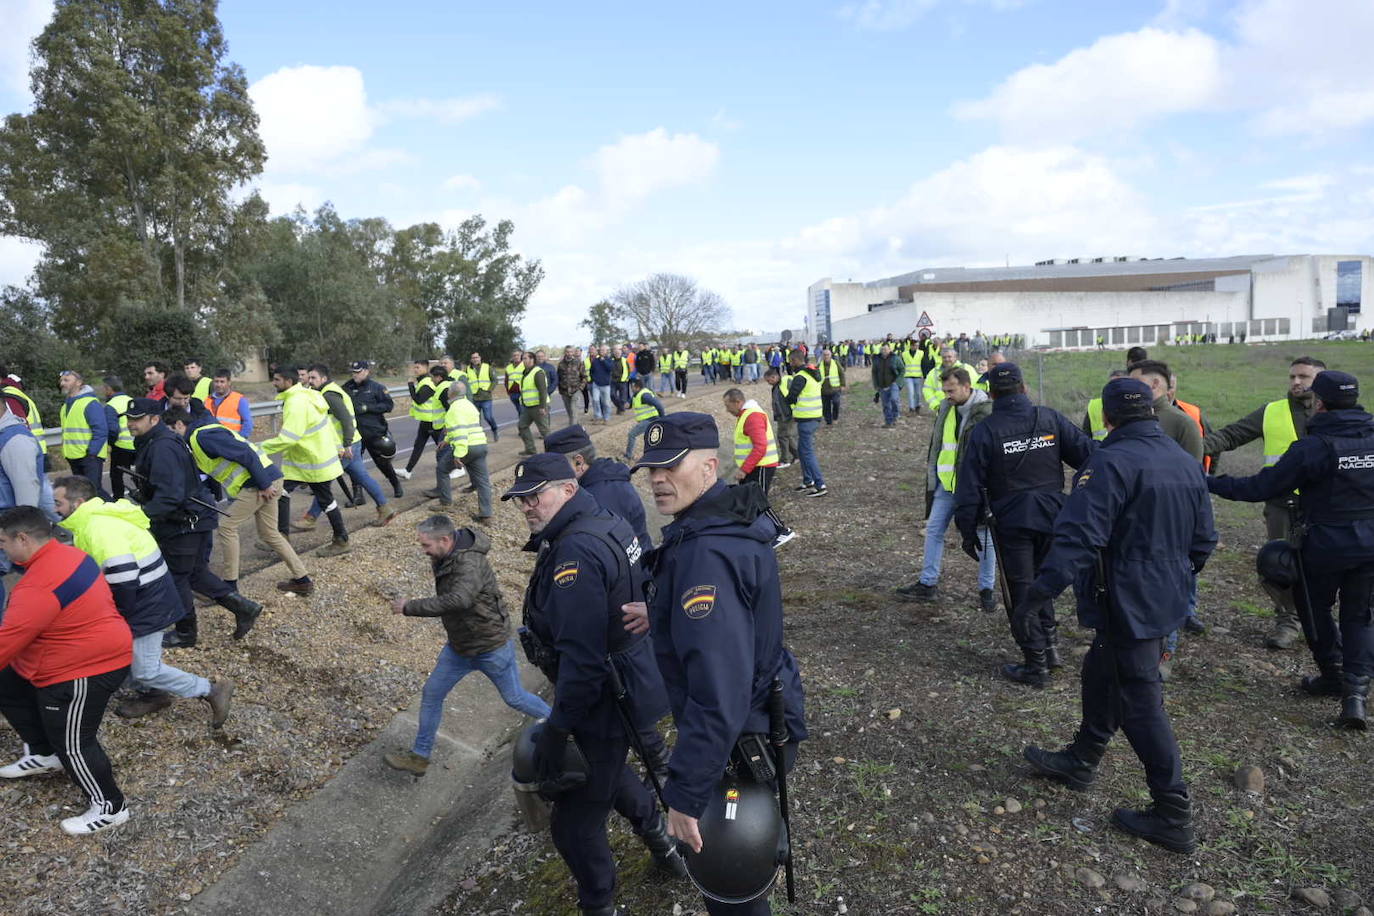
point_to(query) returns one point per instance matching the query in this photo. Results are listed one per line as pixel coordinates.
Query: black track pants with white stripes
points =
(63, 719)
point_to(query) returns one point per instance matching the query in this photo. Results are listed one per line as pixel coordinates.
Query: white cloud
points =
(891, 15)
(23, 20)
(447, 111)
(638, 165)
(1117, 82)
(462, 183)
(17, 260)
(310, 116)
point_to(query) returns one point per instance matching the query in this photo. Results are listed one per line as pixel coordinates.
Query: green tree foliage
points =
(122, 170)
(489, 287)
(139, 335)
(31, 351)
(600, 324)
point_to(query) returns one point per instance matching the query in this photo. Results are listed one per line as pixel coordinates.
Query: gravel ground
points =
(316, 680)
(911, 796)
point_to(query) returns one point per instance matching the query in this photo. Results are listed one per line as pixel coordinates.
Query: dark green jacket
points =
(467, 597)
(1178, 426)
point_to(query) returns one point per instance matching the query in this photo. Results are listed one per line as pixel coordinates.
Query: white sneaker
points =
(32, 765)
(783, 537)
(456, 473)
(402, 473)
(784, 465)
(94, 820)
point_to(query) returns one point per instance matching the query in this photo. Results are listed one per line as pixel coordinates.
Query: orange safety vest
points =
(1193, 411)
(227, 411)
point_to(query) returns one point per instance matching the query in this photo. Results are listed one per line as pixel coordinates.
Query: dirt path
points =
(911, 796)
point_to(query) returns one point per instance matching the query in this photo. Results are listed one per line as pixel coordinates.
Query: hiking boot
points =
(432, 493)
(1353, 702)
(919, 591)
(396, 491)
(336, 547)
(304, 523)
(143, 703)
(183, 637)
(663, 848)
(1052, 659)
(31, 765)
(1062, 766)
(1192, 625)
(385, 515)
(987, 600)
(1168, 822)
(245, 611)
(1033, 672)
(359, 499)
(484, 519)
(302, 586)
(1330, 683)
(94, 820)
(1284, 636)
(218, 701)
(407, 762)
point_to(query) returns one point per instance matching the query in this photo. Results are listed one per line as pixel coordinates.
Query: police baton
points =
(996, 546)
(1301, 598)
(777, 736)
(199, 502)
(622, 705)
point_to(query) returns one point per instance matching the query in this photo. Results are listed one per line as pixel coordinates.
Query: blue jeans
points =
(665, 382)
(1171, 641)
(752, 370)
(149, 673)
(488, 416)
(601, 402)
(892, 402)
(635, 432)
(941, 514)
(806, 450)
(913, 391)
(353, 467)
(500, 668)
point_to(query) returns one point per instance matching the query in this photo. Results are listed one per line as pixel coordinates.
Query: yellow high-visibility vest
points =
(307, 441)
(643, 409)
(808, 406)
(430, 410)
(1279, 431)
(348, 405)
(1096, 420)
(76, 432)
(744, 445)
(230, 474)
(529, 387)
(120, 403)
(463, 426)
(948, 461)
(35, 422)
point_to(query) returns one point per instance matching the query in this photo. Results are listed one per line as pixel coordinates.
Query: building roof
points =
(1078, 268)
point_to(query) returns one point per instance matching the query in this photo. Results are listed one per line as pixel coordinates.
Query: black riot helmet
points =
(384, 446)
(1277, 564)
(523, 771)
(743, 841)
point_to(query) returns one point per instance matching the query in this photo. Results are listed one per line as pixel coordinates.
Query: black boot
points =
(1067, 766)
(664, 849)
(1353, 702)
(184, 636)
(1052, 659)
(245, 611)
(608, 910)
(1168, 822)
(1330, 683)
(1033, 672)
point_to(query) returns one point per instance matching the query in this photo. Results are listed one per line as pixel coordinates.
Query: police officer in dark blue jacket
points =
(716, 617)
(1135, 528)
(1013, 467)
(586, 568)
(1333, 468)
(606, 479)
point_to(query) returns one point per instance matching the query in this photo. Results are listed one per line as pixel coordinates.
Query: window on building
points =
(1349, 278)
(1118, 335)
(1133, 335)
(1284, 326)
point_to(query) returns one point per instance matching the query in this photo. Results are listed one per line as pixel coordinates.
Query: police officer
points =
(1135, 528)
(1332, 467)
(1279, 423)
(586, 568)
(716, 616)
(607, 480)
(1013, 466)
(371, 403)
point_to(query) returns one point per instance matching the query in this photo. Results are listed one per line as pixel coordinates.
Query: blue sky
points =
(760, 146)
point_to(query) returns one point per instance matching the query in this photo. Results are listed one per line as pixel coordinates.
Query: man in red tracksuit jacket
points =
(64, 650)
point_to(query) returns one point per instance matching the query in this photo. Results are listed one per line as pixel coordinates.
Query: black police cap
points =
(1121, 394)
(1004, 373)
(567, 440)
(668, 439)
(532, 474)
(1336, 389)
(144, 407)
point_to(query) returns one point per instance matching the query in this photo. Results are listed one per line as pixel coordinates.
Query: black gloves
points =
(973, 548)
(876, 397)
(1026, 616)
(550, 754)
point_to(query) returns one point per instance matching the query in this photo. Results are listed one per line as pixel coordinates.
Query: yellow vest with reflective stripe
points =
(348, 405)
(120, 403)
(643, 409)
(684, 359)
(833, 375)
(115, 534)
(202, 390)
(744, 445)
(1279, 432)
(230, 474)
(808, 406)
(529, 387)
(1096, 420)
(430, 410)
(35, 422)
(463, 426)
(76, 432)
(911, 364)
(514, 373)
(307, 441)
(439, 391)
(948, 461)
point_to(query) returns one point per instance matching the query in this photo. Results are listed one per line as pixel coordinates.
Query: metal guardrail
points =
(52, 438)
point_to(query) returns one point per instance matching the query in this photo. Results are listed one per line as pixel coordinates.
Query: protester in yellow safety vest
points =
(804, 397)
(120, 439)
(311, 453)
(85, 429)
(116, 536)
(480, 391)
(756, 447)
(647, 408)
(1094, 422)
(345, 422)
(515, 371)
(425, 407)
(534, 402)
(682, 360)
(196, 373)
(9, 387)
(1279, 423)
(465, 443)
(933, 388)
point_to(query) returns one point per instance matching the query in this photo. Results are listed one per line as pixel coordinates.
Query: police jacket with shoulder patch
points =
(608, 481)
(1142, 501)
(1333, 466)
(1018, 453)
(573, 604)
(171, 484)
(716, 618)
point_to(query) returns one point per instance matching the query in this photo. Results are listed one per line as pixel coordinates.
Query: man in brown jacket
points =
(572, 378)
(468, 601)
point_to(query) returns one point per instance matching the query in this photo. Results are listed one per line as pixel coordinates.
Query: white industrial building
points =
(1126, 300)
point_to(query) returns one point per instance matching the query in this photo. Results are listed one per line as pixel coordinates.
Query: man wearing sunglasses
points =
(586, 568)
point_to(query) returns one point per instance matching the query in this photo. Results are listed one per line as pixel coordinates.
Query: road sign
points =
(925, 321)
